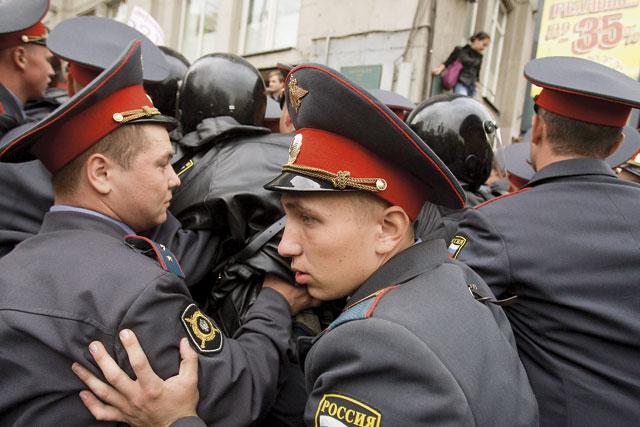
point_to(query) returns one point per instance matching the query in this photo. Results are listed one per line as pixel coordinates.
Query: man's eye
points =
(306, 219)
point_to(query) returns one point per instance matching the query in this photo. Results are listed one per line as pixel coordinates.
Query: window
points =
(117, 10)
(470, 22)
(494, 54)
(198, 27)
(269, 25)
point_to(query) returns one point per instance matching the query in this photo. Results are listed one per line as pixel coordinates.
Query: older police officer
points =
(567, 246)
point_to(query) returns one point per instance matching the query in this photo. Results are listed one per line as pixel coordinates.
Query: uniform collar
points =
(11, 103)
(217, 129)
(63, 217)
(406, 265)
(571, 167)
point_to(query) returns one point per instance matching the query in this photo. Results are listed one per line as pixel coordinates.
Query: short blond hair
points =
(122, 145)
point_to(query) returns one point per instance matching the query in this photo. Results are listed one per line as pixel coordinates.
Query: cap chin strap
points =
(341, 180)
(127, 116)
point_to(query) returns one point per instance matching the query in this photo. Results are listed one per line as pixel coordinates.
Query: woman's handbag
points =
(451, 73)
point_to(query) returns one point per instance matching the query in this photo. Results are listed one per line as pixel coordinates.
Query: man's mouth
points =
(302, 278)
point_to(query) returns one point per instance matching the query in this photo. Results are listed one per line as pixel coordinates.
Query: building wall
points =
(405, 39)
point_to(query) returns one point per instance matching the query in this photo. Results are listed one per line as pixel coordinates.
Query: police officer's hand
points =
(148, 401)
(297, 297)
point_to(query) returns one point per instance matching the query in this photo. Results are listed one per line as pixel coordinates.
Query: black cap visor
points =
(288, 182)
(168, 122)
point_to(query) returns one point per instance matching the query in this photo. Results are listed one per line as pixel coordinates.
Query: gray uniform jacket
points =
(25, 196)
(416, 349)
(569, 246)
(11, 111)
(77, 281)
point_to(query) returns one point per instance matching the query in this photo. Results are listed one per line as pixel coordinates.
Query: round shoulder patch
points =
(202, 331)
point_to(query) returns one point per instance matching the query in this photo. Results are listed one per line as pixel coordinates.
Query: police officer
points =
(25, 70)
(24, 74)
(465, 136)
(226, 157)
(567, 246)
(87, 274)
(401, 353)
(26, 187)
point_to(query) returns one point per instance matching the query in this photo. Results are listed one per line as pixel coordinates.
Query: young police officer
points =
(418, 342)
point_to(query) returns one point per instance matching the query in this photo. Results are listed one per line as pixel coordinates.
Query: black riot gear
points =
(164, 94)
(221, 85)
(461, 132)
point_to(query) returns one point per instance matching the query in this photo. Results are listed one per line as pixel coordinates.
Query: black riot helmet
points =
(221, 84)
(164, 94)
(462, 133)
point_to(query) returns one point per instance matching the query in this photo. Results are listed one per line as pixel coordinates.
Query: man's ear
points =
(98, 170)
(19, 58)
(394, 226)
(537, 129)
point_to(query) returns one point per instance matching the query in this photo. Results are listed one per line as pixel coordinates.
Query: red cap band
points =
(516, 181)
(334, 153)
(584, 108)
(8, 40)
(66, 142)
(82, 75)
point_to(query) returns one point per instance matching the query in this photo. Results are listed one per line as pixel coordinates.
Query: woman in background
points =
(470, 55)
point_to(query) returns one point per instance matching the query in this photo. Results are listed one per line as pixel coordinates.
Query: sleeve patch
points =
(457, 243)
(337, 410)
(204, 335)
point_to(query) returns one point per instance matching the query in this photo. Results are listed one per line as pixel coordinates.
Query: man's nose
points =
(289, 247)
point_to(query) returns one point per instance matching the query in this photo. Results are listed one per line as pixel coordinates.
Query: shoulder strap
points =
(254, 245)
(160, 253)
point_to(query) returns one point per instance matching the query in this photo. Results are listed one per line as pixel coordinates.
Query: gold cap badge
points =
(294, 148)
(296, 93)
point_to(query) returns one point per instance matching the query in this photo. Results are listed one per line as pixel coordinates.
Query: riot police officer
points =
(465, 136)
(226, 156)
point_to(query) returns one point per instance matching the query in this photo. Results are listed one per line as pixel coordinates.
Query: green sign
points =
(367, 76)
